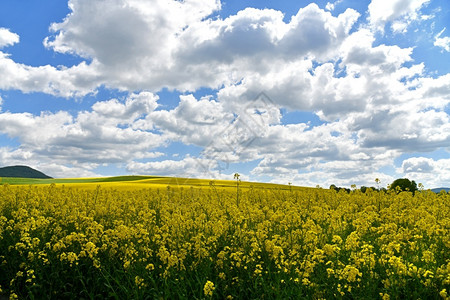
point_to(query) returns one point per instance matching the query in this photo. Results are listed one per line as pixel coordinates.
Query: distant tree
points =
(403, 184)
(337, 189)
(366, 189)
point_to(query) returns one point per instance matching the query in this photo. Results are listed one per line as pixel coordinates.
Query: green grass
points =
(27, 181)
(137, 180)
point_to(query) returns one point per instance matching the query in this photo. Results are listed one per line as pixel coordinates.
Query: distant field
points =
(132, 182)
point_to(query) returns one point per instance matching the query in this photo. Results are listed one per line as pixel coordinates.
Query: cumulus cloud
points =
(174, 44)
(120, 32)
(131, 42)
(418, 164)
(435, 173)
(443, 42)
(188, 167)
(61, 81)
(225, 132)
(131, 45)
(290, 151)
(400, 12)
(7, 38)
(76, 81)
(331, 5)
(366, 76)
(106, 134)
(193, 121)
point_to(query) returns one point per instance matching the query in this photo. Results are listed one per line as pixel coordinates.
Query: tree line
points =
(398, 185)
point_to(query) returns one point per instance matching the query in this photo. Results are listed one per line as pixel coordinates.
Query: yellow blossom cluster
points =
(177, 242)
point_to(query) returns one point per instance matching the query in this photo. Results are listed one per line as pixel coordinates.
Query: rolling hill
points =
(437, 190)
(22, 172)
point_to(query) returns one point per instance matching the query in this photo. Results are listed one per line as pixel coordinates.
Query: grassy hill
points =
(438, 190)
(133, 182)
(22, 172)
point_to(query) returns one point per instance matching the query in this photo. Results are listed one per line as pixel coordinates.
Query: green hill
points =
(22, 171)
(437, 190)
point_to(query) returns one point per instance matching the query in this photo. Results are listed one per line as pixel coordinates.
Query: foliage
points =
(60, 242)
(403, 184)
(337, 189)
(21, 171)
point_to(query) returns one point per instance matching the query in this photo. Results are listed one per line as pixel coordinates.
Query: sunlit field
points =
(167, 238)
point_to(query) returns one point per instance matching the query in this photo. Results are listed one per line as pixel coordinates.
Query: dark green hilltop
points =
(438, 190)
(22, 172)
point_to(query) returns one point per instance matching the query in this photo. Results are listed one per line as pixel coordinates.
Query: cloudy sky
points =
(307, 92)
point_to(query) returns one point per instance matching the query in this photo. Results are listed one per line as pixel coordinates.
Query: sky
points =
(302, 92)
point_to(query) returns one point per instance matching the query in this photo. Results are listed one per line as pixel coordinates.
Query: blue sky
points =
(308, 92)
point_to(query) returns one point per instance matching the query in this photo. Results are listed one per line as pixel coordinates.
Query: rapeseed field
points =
(212, 242)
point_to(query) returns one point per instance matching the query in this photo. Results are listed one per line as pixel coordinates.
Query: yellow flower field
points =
(208, 242)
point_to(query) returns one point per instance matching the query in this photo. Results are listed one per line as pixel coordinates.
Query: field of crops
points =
(212, 240)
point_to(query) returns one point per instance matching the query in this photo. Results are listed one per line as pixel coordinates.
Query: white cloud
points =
(61, 171)
(62, 81)
(135, 106)
(131, 42)
(331, 5)
(400, 12)
(367, 76)
(435, 173)
(131, 45)
(225, 132)
(403, 130)
(117, 32)
(290, 151)
(7, 38)
(192, 121)
(173, 44)
(443, 42)
(53, 168)
(418, 164)
(67, 82)
(400, 26)
(107, 134)
(358, 51)
(188, 167)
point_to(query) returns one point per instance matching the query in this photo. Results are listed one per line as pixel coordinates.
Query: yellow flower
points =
(126, 265)
(306, 281)
(385, 296)
(139, 282)
(222, 275)
(13, 296)
(209, 288)
(351, 274)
